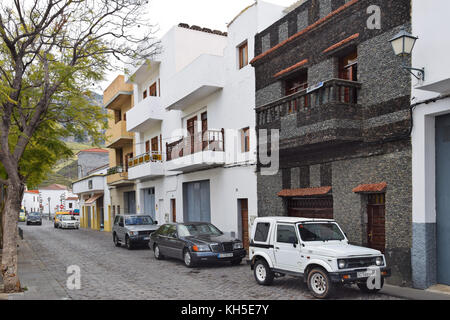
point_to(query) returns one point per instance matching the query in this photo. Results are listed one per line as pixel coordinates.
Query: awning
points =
(304, 192)
(94, 198)
(371, 188)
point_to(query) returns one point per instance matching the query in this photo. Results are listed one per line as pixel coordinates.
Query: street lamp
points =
(49, 219)
(403, 44)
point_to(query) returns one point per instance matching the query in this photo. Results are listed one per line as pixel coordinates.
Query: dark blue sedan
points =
(195, 242)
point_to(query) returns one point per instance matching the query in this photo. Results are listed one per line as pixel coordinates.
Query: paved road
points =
(108, 272)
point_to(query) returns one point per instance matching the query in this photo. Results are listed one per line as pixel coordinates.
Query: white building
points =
(30, 201)
(431, 145)
(193, 118)
(94, 200)
(53, 197)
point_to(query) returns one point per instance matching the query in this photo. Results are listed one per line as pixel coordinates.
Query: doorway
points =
(149, 202)
(243, 222)
(173, 210)
(376, 217)
(443, 199)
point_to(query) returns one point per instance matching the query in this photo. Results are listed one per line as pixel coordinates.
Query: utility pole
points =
(49, 218)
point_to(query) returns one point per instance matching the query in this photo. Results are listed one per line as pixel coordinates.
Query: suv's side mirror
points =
(155, 222)
(294, 241)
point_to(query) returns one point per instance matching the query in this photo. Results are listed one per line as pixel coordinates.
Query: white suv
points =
(315, 249)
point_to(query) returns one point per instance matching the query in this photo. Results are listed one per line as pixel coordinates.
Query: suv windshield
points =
(34, 214)
(320, 232)
(207, 229)
(138, 220)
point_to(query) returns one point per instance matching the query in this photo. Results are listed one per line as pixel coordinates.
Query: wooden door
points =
(147, 146)
(191, 128)
(348, 70)
(376, 229)
(293, 85)
(244, 223)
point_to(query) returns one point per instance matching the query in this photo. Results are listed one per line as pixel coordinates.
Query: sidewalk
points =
(39, 283)
(413, 294)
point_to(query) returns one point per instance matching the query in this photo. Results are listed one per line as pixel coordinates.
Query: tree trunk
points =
(9, 258)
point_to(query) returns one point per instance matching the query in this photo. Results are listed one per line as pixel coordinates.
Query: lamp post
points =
(49, 215)
(403, 44)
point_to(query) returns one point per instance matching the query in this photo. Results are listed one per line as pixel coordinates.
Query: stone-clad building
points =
(327, 78)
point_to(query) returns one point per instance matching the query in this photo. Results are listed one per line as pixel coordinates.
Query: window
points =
(89, 184)
(124, 117)
(147, 146)
(117, 116)
(262, 231)
(152, 90)
(118, 209)
(144, 94)
(116, 219)
(155, 144)
(243, 55)
(70, 205)
(286, 234)
(205, 138)
(245, 140)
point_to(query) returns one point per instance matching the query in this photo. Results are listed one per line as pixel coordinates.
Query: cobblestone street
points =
(108, 272)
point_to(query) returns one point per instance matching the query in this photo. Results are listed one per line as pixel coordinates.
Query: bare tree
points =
(50, 52)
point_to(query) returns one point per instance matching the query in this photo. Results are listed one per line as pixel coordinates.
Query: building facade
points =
(118, 99)
(194, 124)
(30, 201)
(431, 146)
(91, 159)
(94, 200)
(329, 83)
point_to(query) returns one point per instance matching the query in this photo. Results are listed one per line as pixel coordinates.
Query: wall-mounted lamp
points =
(403, 44)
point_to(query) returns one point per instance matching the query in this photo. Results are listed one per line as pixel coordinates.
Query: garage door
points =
(443, 198)
(321, 208)
(196, 201)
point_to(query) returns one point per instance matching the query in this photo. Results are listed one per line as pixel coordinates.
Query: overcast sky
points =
(213, 14)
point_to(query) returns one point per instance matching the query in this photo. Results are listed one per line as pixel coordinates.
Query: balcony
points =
(204, 76)
(146, 166)
(199, 151)
(118, 94)
(118, 177)
(118, 136)
(145, 114)
(326, 113)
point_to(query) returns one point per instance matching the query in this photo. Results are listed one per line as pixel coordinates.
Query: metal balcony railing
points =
(152, 156)
(210, 140)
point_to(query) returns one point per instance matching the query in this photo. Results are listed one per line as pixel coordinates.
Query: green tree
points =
(51, 52)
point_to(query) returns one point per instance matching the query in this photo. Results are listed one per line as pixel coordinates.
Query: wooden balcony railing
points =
(212, 140)
(152, 156)
(331, 91)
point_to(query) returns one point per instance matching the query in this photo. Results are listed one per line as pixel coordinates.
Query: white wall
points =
(429, 23)
(30, 202)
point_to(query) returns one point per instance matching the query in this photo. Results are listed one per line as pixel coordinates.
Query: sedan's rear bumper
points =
(218, 256)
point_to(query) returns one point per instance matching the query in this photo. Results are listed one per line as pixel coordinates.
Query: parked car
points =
(133, 230)
(22, 216)
(315, 249)
(57, 218)
(34, 218)
(67, 221)
(195, 242)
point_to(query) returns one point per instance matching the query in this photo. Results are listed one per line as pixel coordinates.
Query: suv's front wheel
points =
(116, 240)
(319, 283)
(263, 274)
